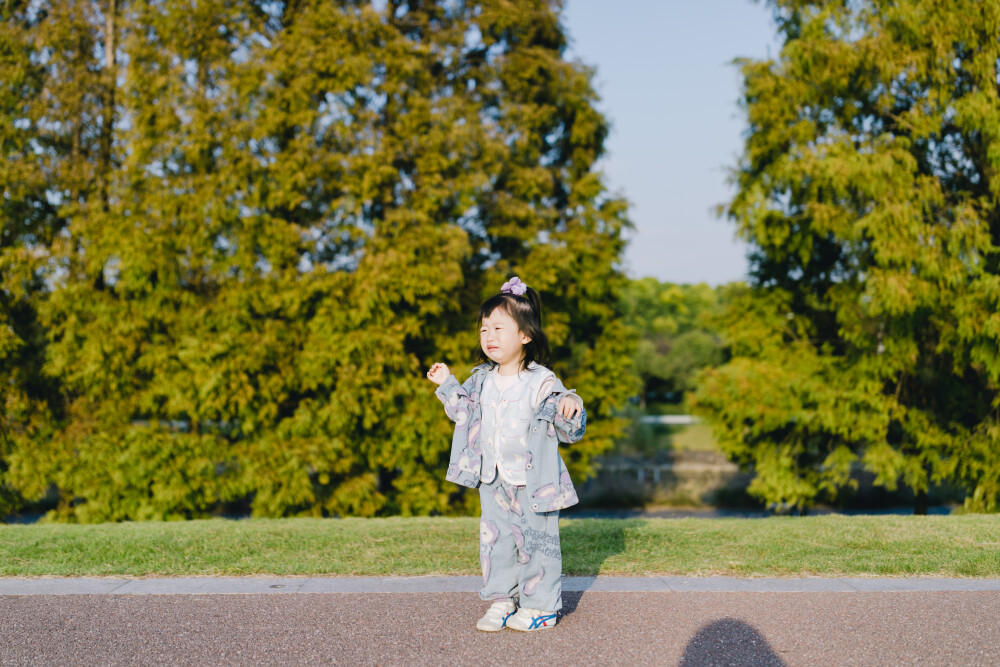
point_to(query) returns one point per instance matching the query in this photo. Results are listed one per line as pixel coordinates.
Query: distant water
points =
(23, 518)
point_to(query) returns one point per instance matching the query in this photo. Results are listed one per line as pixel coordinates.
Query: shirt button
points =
(528, 466)
(535, 506)
(535, 429)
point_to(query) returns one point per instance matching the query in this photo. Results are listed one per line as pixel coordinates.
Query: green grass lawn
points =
(952, 546)
(693, 438)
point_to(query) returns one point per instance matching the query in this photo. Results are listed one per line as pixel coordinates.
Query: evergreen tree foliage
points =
(868, 190)
(47, 138)
(283, 212)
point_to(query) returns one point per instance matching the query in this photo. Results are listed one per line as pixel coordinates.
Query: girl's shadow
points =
(586, 545)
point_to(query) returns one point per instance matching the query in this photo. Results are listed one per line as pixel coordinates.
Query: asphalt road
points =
(596, 628)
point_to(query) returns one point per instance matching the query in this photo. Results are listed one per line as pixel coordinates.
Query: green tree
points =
(868, 190)
(299, 206)
(48, 134)
(675, 339)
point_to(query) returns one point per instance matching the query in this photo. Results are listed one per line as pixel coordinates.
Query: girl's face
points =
(502, 341)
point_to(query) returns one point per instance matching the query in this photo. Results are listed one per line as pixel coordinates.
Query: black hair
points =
(526, 311)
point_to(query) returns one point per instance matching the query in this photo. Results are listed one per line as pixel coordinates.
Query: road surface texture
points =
(950, 625)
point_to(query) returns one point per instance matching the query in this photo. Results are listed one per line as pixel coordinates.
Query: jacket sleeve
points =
(570, 430)
(457, 398)
(566, 430)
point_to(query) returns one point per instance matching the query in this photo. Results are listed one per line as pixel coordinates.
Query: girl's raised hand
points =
(438, 373)
(569, 407)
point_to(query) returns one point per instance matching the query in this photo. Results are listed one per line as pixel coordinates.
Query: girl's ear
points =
(525, 339)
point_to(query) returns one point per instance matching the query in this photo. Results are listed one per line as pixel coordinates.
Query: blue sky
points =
(669, 89)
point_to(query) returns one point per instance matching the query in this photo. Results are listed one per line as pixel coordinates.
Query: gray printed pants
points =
(518, 549)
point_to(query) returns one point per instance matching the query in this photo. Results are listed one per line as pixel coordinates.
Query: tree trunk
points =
(108, 112)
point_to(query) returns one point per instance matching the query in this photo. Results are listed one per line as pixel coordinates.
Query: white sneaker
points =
(527, 620)
(496, 616)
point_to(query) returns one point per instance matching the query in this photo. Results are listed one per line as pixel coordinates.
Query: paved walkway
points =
(235, 585)
(431, 621)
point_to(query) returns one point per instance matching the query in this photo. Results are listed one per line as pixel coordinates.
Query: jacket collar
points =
(532, 367)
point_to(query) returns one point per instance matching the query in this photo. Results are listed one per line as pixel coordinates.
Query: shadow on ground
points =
(586, 547)
(584, 551)
(570, 602)
(729, 641)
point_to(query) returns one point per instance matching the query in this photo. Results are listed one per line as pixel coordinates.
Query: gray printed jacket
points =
(548, 483)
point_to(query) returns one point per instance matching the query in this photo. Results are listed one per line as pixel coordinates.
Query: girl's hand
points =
(438, 373)
(569, 407)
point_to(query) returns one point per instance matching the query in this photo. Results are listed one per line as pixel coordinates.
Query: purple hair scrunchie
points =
(514, 286)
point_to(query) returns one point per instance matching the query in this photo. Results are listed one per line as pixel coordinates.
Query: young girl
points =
(510, 416)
